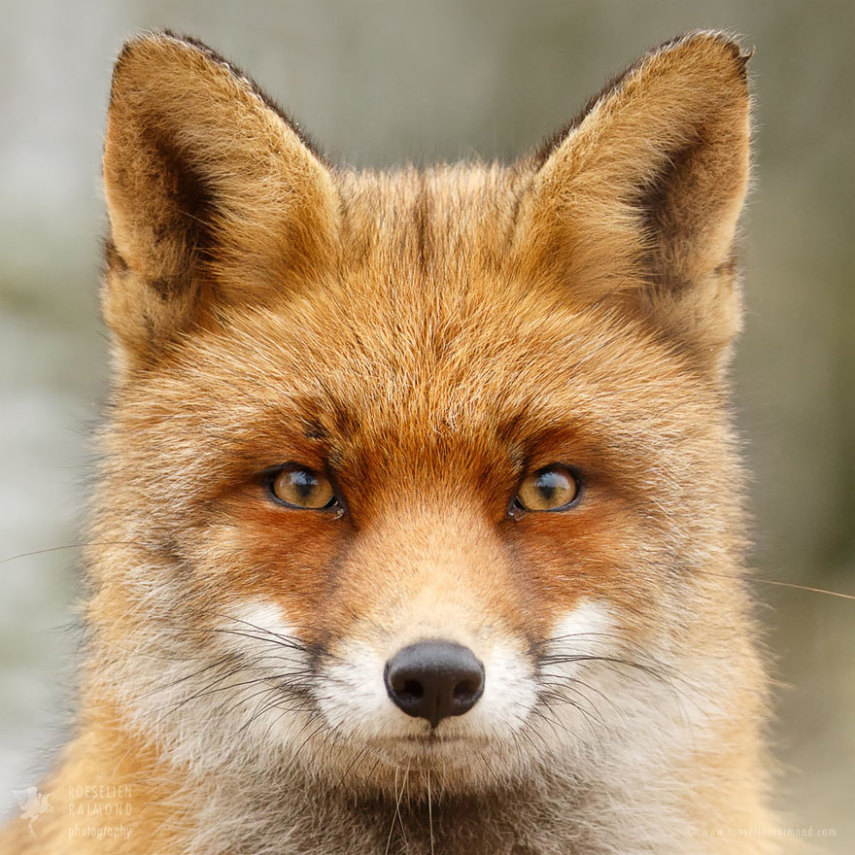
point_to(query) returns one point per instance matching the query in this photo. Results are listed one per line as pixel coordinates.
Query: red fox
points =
(419, 526)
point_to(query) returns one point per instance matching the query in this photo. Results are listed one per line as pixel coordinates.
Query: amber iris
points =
(299, 487)
(552, 488)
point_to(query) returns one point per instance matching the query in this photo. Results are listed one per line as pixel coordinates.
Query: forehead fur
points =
(428, 332)
(447, 221)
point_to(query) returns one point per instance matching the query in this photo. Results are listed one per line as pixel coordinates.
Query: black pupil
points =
(549, 482)
(304, 482)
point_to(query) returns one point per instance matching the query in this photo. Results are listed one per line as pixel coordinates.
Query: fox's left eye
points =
(552, 488)
(299, 487)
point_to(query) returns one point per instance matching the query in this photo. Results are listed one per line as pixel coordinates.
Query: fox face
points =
(425, 479)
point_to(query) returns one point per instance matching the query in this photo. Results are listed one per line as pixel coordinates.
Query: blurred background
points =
(382, 82)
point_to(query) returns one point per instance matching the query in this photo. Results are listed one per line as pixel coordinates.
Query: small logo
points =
(33, 804)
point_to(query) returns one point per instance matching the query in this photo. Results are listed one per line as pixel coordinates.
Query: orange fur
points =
(426, 338)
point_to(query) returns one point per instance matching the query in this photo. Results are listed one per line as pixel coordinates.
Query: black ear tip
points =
(199, 46)
(154, 38)
(747, 55)
(716, 49)
(163, 38)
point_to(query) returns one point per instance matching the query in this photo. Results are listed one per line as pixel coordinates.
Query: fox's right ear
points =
(214, 197)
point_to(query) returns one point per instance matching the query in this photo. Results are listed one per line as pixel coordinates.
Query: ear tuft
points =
(214, 196)
(636, 200)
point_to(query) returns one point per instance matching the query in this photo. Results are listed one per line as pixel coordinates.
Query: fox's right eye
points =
(299, 487)
(552, 488)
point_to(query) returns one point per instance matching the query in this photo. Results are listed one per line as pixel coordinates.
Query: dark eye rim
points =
(516, 509)
(269, 476)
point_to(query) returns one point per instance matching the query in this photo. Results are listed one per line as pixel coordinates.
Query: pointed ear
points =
(637, 201)
(214, 197)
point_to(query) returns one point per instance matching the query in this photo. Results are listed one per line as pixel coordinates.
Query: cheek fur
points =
(588, 630)
(590, 552)
(282, 556)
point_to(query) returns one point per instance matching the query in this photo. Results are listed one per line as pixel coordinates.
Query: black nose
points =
(434, 680)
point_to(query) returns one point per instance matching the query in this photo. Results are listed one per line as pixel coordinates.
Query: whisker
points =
(430, 814)
(48, 550)
(397, 808)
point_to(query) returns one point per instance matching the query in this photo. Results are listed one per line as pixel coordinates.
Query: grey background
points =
(381, 82)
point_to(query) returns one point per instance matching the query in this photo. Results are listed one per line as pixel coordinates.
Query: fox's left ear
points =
(636, 203)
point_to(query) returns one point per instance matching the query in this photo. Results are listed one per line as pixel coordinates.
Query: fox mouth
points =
(431, 740)
(461, 764)
(429, 748)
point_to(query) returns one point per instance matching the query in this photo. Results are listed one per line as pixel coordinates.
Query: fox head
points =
(422, 474)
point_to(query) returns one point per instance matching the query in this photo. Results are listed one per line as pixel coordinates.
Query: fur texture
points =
(425, 339)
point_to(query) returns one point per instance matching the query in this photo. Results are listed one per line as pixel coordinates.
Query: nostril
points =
(463, 691)
(413, 689)
(434, 680)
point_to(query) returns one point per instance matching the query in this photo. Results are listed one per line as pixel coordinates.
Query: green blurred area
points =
(378, 83)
